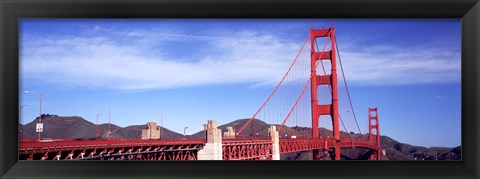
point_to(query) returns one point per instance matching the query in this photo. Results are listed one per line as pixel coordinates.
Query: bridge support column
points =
(337, 152)
(272, 131)
(325, 79)
(374, 133)
(213, 148)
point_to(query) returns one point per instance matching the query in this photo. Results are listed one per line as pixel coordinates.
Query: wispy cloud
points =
(123, 61)
(439, 97)
(389, 65)
(101, 62)
(169, 36)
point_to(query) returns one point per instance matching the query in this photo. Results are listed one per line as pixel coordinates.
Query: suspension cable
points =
(308, 82)
(346, 87)
(329, 87)
(295, 105)
(273, 92)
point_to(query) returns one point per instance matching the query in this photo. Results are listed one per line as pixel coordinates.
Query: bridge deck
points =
(233, 149)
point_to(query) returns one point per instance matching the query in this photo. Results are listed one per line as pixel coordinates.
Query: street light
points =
(96, 130)
(25, 105)
(184, 131)
(20, 115)
(235, 128)
(161, 124)
(108, 134)
(40, 117)
(21, 108)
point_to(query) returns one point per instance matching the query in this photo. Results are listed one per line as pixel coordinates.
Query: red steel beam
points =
(296, 145)
(69, 145)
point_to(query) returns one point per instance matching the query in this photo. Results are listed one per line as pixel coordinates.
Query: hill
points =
(259, 125)
(77, 127)
(394, 150)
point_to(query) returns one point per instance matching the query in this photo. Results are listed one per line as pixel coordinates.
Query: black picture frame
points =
(12, 10)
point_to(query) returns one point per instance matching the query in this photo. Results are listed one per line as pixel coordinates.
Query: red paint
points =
(254, 148)
(329, 109)
(374, 138)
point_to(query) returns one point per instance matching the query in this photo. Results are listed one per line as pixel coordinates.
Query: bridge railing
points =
(56, 145)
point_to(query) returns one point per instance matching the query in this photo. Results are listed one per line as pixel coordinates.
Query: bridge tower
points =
(374, 133)
(316, 80)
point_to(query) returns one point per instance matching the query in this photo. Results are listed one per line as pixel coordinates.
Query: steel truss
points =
(247, 149)
(112, 150)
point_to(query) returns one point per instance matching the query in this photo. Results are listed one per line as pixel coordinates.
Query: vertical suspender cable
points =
(346, 87)
(329, 87)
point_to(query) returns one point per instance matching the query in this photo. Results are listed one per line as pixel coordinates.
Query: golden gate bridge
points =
(300, 100)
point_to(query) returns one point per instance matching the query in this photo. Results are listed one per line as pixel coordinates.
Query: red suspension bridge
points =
(307, 95)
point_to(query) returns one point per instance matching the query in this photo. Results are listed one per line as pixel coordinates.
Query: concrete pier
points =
(152, 131)
(229, 134)
(273, 133)
(213, 148)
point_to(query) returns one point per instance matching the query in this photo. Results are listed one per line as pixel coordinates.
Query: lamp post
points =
(235, 128)
(161, 124)
(20, 115)
(21, 108)
(96, 130)
(108, 134)
(40, 117)
(184, 131)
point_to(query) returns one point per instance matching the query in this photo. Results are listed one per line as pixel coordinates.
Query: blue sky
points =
(194, 70)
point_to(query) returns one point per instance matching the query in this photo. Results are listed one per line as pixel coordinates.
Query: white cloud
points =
(97, 28)
(439, 97)
(243, 57)
(166, 36)
(396, 67)
(102, 63)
